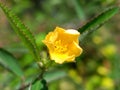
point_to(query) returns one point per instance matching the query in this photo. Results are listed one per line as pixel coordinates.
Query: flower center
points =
(59, 47)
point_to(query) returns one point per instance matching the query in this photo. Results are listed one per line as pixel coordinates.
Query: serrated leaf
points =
(99, 20)
(39, 85)
(8, 61)
(22, 31)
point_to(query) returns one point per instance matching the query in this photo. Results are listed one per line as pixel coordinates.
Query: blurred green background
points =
(98, 68)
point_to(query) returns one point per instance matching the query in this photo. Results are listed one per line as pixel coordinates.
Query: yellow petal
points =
(72, 32)
(60, 58)
(51, 37)
(72, 35)
(75, 49)
(67, 35)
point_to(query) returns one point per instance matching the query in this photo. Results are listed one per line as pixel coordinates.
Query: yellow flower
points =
(63, 45)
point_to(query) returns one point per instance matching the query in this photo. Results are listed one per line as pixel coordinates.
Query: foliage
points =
(98, 66)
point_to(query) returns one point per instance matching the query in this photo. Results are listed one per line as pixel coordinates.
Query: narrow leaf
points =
(8, 61)
(99, 20)
(22, 31)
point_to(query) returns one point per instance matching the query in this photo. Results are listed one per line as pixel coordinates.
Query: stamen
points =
(59, 47)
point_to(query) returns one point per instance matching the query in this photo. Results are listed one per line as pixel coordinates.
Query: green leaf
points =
(39, 85)
(8, 61)
(22, 31)
(99, 20)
